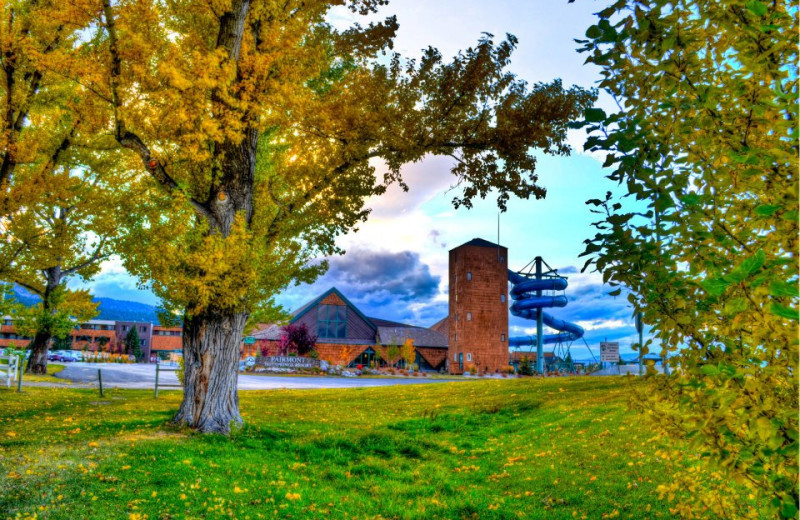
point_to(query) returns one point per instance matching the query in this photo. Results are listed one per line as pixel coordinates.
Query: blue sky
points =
(406, 240)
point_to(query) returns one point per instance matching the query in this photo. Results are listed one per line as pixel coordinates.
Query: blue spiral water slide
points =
(528, 303)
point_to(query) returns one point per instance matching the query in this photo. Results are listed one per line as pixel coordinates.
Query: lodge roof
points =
(272, 332)
(442, 326)
(296, 315)
(380, 322)
(421, 336)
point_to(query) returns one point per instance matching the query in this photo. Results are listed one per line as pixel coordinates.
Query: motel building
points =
(473, 337)
(106, 336)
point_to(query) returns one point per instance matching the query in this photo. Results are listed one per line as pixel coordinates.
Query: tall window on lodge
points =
(332, 321)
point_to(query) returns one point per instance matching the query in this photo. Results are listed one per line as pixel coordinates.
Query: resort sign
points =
(609, 351)
(289, 362)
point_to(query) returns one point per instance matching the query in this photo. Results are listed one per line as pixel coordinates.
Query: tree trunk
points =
(212, 337)
(211, 342)
(37, 363)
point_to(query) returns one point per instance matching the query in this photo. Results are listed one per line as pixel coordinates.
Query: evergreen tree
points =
(133, 345)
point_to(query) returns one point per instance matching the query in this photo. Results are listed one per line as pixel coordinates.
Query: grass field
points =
(556, 448)
(52, 370)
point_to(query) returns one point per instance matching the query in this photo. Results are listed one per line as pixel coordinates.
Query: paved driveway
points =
(143, 376)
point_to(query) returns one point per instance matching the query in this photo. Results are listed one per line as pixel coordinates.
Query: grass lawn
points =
(555, 448)
(52, 370)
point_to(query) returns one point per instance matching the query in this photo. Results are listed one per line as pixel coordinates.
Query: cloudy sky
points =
(396, 264)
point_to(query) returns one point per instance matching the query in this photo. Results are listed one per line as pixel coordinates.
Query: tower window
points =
(503, 338)
(455, 356)
(503, 298)
(469, 357)
(469, 276)
(469, 316)
(456, 317)
(501, 258)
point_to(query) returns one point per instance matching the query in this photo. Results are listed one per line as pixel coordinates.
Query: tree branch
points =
(128, 139)
(96, 256)
(31, 288)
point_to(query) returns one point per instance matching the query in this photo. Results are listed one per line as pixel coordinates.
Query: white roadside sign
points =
(609, 351)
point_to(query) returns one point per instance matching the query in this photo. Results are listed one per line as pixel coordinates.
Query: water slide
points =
(527, 304)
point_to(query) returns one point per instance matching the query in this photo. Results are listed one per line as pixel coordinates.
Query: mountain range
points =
(110, 309)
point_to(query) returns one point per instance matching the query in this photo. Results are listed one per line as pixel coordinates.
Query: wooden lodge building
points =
(346, 337)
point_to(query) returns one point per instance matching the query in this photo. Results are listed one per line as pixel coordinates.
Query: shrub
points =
(525, 366)
(296, 339)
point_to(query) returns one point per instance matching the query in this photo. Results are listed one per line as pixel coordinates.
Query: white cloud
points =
(603, 324)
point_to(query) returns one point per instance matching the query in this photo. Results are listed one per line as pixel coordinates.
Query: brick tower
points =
(478, 320)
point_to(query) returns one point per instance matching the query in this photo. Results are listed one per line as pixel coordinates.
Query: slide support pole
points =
(539, 324)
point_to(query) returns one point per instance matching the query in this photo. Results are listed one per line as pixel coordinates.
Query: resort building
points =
(345, 336)
(473, 337)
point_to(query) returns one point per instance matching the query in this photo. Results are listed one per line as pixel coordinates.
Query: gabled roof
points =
(380, 322)
(272, 332)
(296, 315)
(479, 242)
(422, 337)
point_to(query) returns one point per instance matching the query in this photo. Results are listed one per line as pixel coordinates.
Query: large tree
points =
(67, 229)
(60, 184)
(74, 224)
(36, 101)
(259, 122)
(706, 140)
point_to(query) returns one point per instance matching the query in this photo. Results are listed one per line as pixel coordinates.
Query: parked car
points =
(70, 356)
(77, 354)
(55, 355)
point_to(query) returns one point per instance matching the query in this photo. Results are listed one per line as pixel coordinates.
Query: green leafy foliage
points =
(705, 144)
(55, 316)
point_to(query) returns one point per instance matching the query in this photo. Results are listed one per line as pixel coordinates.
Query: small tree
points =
(296, 339)
(51, 319)
(525, 366)
(408, 352)
(133, 345)
(393, 352)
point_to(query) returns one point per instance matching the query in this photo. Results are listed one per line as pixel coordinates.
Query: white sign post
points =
(609, 351)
